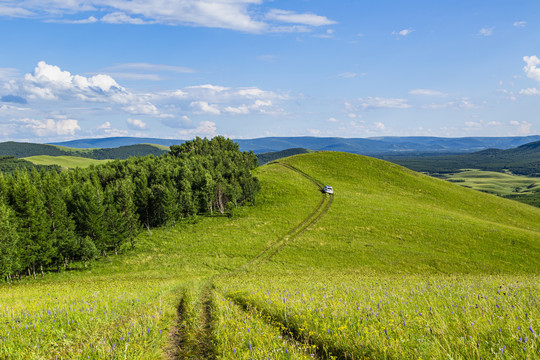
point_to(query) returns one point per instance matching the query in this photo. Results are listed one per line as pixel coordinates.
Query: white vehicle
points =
(328, 190)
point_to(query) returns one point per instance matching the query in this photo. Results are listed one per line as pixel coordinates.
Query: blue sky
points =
(254, 68)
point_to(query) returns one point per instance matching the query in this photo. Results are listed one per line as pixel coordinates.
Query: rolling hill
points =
(24, 150)
(379, 270)
(69, 162)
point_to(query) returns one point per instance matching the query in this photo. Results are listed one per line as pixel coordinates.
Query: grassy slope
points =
(69, 162)
(384, 219)
(495, 182)
(388, 219)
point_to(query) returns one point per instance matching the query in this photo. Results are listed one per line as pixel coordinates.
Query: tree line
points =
(48, 220)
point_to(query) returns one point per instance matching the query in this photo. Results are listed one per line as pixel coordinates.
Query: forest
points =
(50, 219)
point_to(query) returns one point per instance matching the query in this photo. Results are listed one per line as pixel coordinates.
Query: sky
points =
(178, 69)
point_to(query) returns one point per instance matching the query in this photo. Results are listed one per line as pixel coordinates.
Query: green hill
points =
(24, 150)
(389, 219)
(69, 162)
(394, 265)
(523, 160)
(275, 155)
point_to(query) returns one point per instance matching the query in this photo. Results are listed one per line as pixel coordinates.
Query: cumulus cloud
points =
(136, 124)
(205, 128)
(380, 126)
(383, 103)
(529, 91)
(49, 127)
(122, 18)
(521, 127)
(50, 82)
(520, 23)
(202, 107)
(178, 122)
(531, 69)
(486, 31)
(403, 32)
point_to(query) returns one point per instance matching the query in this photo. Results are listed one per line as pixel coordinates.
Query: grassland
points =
(495, 182)
(399, 265)
(68, 162)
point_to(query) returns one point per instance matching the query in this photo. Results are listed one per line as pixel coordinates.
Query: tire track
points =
(272, 249)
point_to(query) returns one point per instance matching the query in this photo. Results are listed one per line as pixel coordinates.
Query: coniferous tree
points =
(36, 245)
(9, 242)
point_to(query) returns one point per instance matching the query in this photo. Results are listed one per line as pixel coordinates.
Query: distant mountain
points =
(371, 146)
(522, 160)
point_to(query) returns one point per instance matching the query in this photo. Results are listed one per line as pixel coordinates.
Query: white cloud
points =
(119, 17)
(136, 124)
(530, 91)
(403, 32)
(486, 31)
(383, 103)
(531, 69)
(295, 18)
(49, 127)
(520, 23)
(332, 120)
(202, 107)
(241, 110)
(228, 14)
(521, 127)
(14, 11)
(205, 128)
(89, 20)
(473, 124)
(427, 92)
(50, 82)
(178, 122)
(380, 126)
(328, 34)
(6, 73)
(105, 125)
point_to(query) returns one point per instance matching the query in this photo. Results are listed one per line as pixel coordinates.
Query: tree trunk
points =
(42, 273)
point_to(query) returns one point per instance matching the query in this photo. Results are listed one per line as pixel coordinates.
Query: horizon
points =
(248, 69)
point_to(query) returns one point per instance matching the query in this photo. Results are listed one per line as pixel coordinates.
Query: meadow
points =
(495, 182)
(68, 162)
(397, 265)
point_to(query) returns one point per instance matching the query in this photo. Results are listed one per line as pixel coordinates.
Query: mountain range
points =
(367, 146)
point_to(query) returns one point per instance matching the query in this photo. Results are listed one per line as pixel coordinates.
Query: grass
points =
(394, 244)
(495, 182)
(69, 162)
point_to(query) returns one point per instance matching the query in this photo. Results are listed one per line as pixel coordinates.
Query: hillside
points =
(376, 271)
(24, 150)
(523, 160)
(69, 162)
(389, 219)
(264, 158)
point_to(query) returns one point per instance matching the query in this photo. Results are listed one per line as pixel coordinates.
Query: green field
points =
(69, 162)
(495, 182)
(394, 265)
